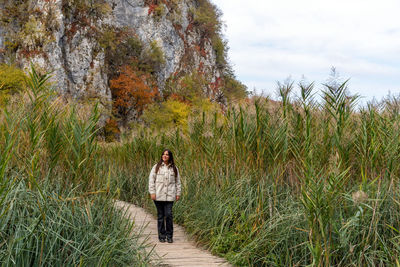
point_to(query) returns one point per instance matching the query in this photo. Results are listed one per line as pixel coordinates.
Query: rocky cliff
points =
(84, 42)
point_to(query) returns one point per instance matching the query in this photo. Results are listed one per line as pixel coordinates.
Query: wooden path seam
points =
(183, 252)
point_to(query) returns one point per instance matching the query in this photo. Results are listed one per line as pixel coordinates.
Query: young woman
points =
(164, 189)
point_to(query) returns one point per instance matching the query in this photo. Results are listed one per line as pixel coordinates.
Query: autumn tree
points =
(132, 91)
(169, 114)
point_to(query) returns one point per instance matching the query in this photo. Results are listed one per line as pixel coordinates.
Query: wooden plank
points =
(182, 252)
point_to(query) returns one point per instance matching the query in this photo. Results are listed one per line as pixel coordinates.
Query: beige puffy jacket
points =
(164, 184)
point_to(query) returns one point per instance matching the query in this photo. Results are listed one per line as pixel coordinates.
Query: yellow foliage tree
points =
(178, 113)
(12, 80)
(168, 115)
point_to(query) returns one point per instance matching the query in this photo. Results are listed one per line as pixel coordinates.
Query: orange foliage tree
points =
(132, 91)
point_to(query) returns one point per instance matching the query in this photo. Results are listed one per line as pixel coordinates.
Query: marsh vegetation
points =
(290, 183)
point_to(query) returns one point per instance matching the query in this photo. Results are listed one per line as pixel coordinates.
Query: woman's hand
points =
(178, 197)
(153, 196)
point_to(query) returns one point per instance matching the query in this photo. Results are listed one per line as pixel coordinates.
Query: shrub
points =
(187, 88)
(207, 19)
(200, 105)
(83, 8)
(159, 11)
(121, 47)
(108, 39)
(220, 48)
(111, 130)
(169, 114)
(12, 80)
(33, 34)
(233, 89)
(152, 58)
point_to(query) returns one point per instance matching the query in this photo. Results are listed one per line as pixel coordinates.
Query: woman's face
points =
(165, 157)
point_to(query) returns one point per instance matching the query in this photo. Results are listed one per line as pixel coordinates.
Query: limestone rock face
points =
(77, 62)
(76, 69)
(174, 41)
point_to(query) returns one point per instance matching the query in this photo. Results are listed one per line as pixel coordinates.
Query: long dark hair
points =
(170, 162)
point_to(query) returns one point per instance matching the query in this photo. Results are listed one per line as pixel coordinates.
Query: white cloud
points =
(270, 40)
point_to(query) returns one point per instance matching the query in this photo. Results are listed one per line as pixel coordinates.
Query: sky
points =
(271, 41)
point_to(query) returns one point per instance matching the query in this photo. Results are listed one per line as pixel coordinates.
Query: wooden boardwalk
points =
(182, 252)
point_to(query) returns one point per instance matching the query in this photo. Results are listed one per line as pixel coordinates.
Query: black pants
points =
(164, 218)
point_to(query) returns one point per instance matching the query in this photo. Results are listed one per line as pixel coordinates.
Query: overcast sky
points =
(272, 40)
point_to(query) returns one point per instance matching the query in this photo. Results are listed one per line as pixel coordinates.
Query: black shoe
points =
(162, 240)
(169, 240)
